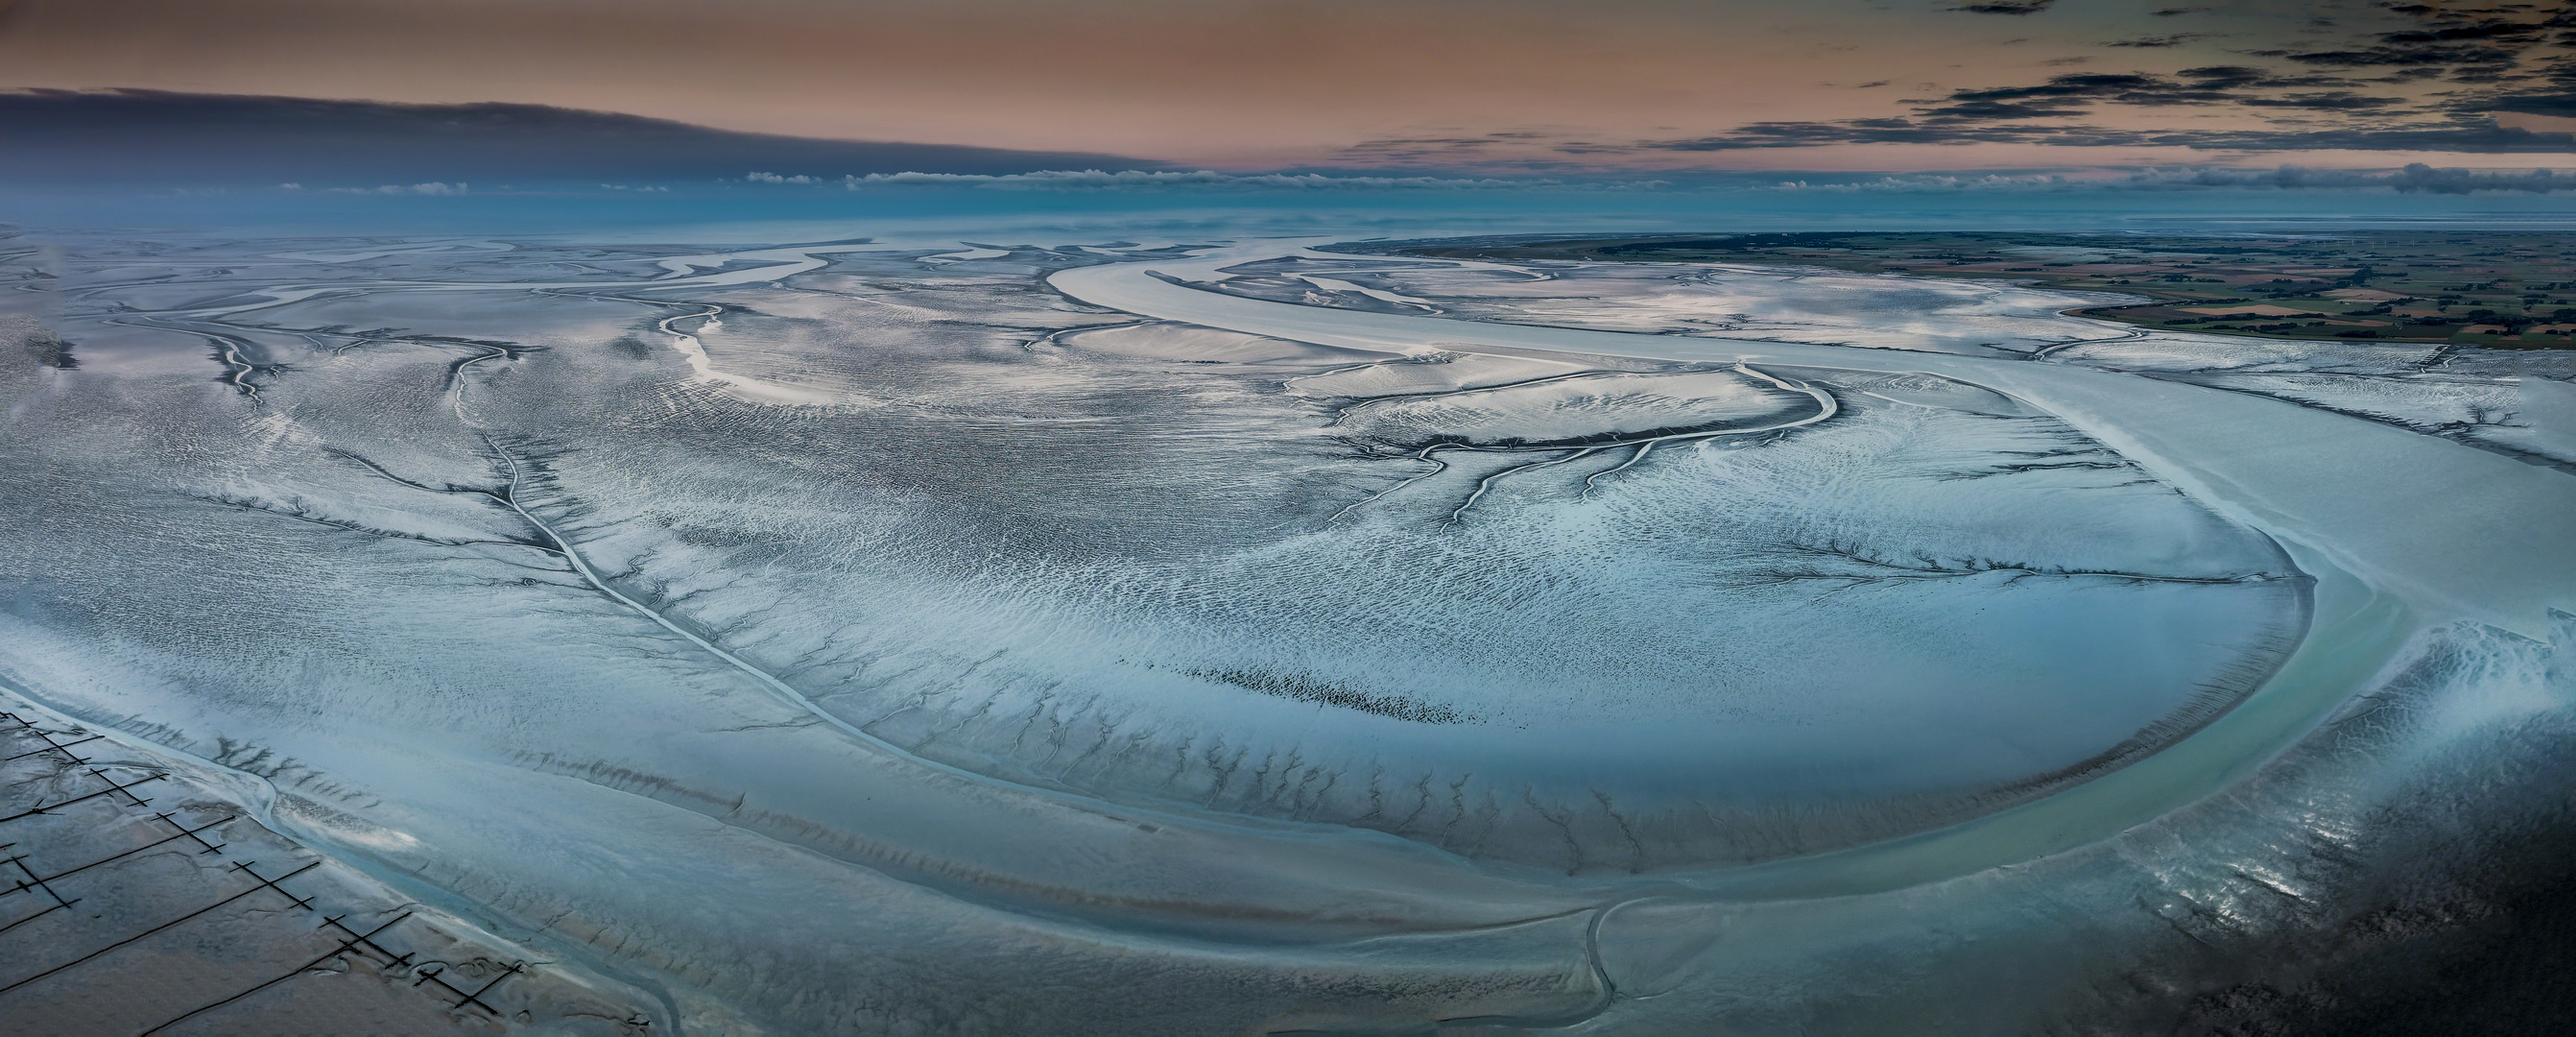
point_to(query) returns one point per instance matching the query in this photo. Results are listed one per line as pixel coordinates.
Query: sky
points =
(1498, 86)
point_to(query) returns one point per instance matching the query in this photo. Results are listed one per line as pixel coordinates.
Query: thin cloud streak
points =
(2414, 178)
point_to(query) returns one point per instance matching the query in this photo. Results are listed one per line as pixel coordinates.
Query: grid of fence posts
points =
(264, 884)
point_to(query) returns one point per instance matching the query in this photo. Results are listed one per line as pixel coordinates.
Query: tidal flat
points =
(1228, 635)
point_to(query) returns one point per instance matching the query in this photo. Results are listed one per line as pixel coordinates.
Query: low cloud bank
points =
(2415, 178)
(1097, 180)
(432, 187)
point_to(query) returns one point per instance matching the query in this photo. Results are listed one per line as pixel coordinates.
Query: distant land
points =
(2467, 288)
(155, 138)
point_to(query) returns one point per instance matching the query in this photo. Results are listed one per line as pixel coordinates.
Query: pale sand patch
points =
(2247, 311)
(2363, 295)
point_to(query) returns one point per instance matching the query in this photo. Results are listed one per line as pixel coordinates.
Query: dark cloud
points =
(151, 137)
(2496, 61)
(2411, 56)
(2487, 30)
(2538, 104)
(2151, 42)
(2070, 95)
(1425, 142)
(2338, 101)
(2474, 139)
(2007, 7)
(1987, 111)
